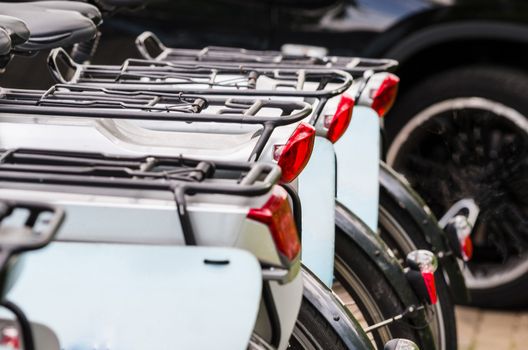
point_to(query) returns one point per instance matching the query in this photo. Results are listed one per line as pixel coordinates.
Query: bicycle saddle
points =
(89, 11)
(5, 49)
(50, 27)
(17, 30)
(5, 45)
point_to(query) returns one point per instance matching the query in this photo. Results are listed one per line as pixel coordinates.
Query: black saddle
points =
(17, 29)
(53, 23)
(89, 11)
(5, 45)
(12, 32)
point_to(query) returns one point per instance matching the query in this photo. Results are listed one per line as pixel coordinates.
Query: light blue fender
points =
(317, 194)
(123, 296)
(357, 153)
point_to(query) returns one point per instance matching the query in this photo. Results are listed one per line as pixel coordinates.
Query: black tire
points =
(312, 331)
(392, 220)
(474, 148)
(370, 290)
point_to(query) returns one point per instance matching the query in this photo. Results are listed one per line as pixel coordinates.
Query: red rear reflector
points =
(385, 96)
(9, 338)
(467, 248)
(463, 231)
(429, 280)
(295, 154)
(339, 122)
(427, 263)
(277, 215)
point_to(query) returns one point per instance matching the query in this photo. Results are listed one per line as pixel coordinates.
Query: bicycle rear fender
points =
(357, 153)
(337, 315)
(121, 296)
(317, 193)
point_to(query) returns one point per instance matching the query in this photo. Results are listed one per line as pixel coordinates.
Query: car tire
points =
(463, 133)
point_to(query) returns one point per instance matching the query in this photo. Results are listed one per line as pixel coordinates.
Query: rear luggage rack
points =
(83, 101)
(180, 176)
(201, 78)
(227, 56)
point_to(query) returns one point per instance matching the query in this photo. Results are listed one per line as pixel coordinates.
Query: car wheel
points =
(463, 133)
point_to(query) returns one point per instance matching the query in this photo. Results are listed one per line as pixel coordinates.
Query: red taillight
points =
(9, 338)
(384, 97)
(277, 215)
(338, 123)
(295, 154)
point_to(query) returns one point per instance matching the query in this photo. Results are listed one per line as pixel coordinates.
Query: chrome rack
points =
(151, 47)
(84, 101)
(200, 78)
(204, 78)
(179, 175)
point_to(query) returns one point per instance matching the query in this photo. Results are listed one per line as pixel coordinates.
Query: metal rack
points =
(179, 175)
(204, 79)
(151, 47)
(83, 101)
(201, 78)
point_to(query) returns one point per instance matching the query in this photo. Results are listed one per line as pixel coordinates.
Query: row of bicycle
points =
(188, 182)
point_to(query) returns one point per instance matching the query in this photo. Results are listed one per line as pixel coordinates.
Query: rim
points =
(394, 238)
(476, 148)
(302, 338)
(369, 312)
(257, 343)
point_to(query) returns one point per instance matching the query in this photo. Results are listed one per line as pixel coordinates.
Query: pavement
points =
(491, 330)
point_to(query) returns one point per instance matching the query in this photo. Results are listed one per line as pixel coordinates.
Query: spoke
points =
(476, 154)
